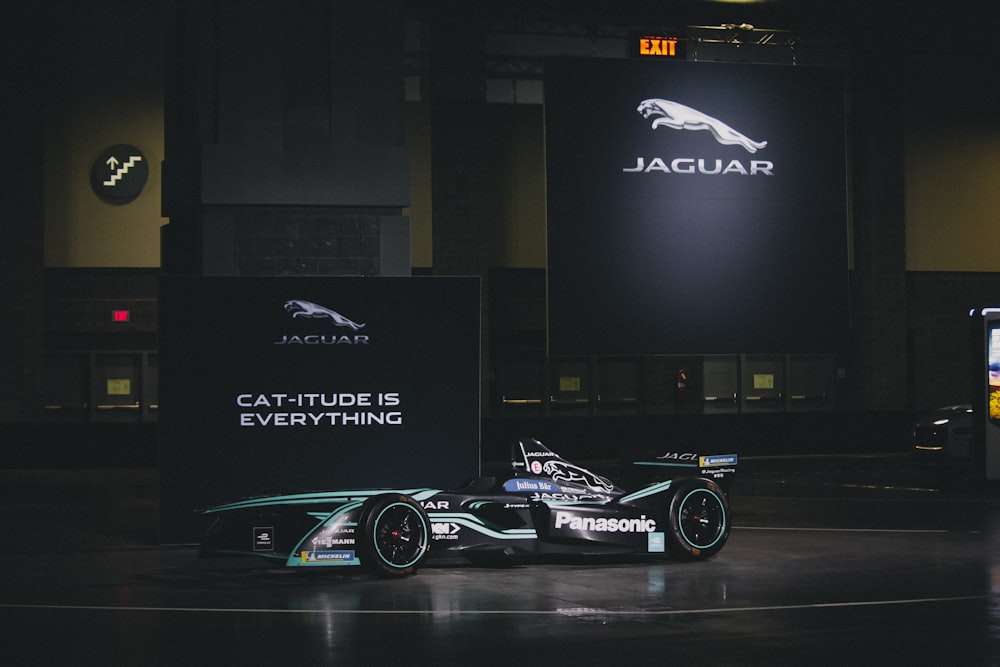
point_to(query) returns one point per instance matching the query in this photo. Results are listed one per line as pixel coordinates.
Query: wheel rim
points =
(701, 518)
(400, 535)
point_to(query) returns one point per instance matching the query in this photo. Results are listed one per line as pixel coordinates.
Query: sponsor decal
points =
(338, 534)
(678, 456)
(317, 556)
(529, 485)
(718, 460)
(567, 472)
(528, 454)
(656, 543)
(437, 505)
(592, 524)
(565, 496)
(263, 538)
(445, 531)
(540, 455)
(328, 541)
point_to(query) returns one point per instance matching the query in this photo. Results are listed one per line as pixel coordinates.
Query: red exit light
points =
(120, 315)
(658, 46)
(645, 45)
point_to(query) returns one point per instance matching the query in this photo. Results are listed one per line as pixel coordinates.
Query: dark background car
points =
(943, 436)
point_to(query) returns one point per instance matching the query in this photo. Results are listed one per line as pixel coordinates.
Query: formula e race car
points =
(548, 507)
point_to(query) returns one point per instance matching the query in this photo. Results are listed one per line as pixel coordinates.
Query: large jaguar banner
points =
(278, 384)
(695, 208)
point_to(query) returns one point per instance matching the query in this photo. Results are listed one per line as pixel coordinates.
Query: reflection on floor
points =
(837, 562)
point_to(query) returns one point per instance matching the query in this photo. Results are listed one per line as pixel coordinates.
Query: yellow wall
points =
(523, 190)
(418, 141)
(80, 229)
(952, 196)
(517, 157)
(110, 91)
(97, 102)
(952, 189)
(106, 88)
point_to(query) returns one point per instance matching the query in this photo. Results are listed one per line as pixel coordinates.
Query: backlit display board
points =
(275, 384)
(695, 208)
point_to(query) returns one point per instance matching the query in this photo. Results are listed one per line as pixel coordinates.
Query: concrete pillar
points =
(285, 139)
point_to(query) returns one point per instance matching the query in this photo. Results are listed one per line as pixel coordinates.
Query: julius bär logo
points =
(677, 116)
(309, 310)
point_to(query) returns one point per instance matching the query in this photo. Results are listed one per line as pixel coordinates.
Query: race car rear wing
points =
(718, 467)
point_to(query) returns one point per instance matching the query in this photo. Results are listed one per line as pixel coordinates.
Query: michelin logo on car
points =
(718, 460)
(315, 556)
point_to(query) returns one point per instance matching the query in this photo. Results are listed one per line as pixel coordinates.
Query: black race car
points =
(547, 507)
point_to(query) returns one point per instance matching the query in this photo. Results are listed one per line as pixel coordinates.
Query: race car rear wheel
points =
(699, 520)
(395, 534)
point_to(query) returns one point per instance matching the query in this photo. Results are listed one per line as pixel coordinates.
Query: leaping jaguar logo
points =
(680, 117)
(299, 308)
(560, 471)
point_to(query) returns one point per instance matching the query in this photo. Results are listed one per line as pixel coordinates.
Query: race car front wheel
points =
(699, 520)
(395, 534)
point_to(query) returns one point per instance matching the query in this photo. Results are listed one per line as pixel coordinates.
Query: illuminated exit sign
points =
(655, 46)
(658, 46)
(120, 316)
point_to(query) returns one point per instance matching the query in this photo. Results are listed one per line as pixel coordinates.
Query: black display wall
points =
(277, 384)
(695, 208)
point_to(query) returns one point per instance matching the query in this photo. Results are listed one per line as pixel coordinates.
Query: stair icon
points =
(122, 170)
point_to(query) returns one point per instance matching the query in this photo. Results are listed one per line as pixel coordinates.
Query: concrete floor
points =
(839, 561)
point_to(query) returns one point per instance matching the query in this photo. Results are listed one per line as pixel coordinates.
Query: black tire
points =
(699, 520)
(395, 535)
